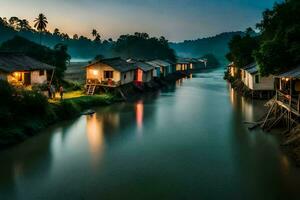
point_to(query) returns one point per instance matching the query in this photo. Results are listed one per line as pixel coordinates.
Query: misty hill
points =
(216, 45)
(81, 48)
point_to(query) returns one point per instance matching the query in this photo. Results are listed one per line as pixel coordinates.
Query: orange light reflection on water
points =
(95, 136)
(139, 114)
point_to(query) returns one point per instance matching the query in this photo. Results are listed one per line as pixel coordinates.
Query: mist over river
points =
(187, 141)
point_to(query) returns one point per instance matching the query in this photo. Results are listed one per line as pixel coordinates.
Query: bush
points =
(40, 87)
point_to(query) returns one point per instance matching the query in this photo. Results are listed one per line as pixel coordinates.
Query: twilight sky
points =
(175, 19)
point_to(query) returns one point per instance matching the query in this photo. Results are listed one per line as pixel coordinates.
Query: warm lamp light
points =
(95, 72)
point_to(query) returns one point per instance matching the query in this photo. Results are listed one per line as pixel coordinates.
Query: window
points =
(108, 74)
(256, 79)
(124, 76)
(42, 72)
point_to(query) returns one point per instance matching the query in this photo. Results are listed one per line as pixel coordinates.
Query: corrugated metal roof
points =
(117, 63)
(161, 63)
(295, 73)
(142, 65)
(152, 64)
(11, 62)
(251, 68)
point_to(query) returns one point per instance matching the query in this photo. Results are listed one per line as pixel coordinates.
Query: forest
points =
(276, 47)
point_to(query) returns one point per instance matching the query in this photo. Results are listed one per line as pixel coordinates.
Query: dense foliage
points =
(78, 46)
(24, 112)
(141, 46)
(241, 49)
(279, 48)
(212, 61)
(57, 57)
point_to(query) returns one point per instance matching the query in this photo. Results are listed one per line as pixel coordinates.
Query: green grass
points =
(73, 104)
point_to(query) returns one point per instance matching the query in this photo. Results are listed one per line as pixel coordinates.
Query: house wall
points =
(156, 72)
(127, 77)
(265, 83)
(147, 76)
(37, 79)
(97, 72)
(233, 71)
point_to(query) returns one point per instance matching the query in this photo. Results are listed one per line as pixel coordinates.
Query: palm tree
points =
(41, 24)
(94, 32)
(98, 38)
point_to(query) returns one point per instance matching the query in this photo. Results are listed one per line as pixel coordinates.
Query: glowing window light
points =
(95, 72)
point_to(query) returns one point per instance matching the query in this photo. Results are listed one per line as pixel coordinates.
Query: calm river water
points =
(188, 141)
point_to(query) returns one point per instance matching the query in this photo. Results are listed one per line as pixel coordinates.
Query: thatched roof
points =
(11, 62)
(117, 63)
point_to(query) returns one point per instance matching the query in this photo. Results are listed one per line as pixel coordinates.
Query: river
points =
(188, 141)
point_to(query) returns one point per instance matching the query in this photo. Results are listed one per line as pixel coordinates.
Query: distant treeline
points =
(277, 48)
(138, 45)
(217, 45)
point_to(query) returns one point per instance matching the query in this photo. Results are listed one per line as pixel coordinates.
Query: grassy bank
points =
(25, 113)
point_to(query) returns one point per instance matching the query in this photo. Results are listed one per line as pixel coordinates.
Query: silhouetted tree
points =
(41, 24)
(75, 37)
(56, 32)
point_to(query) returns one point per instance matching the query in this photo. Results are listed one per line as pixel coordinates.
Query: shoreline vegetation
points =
(25, 113)
(274, 49)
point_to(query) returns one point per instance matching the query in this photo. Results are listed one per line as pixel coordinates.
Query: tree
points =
(212, 61)
(241, 49)
(56, 32)
(141, 46)
(41, 24)
(57, 57)
(62, 59)
(14, 22)
(94, 33)
(279, 48)
(98, 38)
(75, 37)
(24, 25)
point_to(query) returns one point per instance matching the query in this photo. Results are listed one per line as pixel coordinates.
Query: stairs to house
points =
(90, 90)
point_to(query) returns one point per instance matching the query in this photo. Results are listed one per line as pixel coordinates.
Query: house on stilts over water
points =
(21, 70)
(261, 87)
(285, 107)
(109, 73)
(143, 72)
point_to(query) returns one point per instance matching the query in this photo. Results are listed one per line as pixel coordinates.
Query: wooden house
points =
(259, 85)
(21, 70)
(143, 72)
(111, 72)
(156, 69)
(286, 104)
(183, 64)
(233, 70)
(165, 67)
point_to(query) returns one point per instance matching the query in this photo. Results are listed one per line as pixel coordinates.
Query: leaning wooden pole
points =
(51, 79)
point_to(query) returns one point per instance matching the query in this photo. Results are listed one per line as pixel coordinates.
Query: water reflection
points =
(243, 105)
(139, 110)
(95, 135)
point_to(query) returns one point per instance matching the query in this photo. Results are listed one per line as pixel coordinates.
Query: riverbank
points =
(29, 112)
(24, 127)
